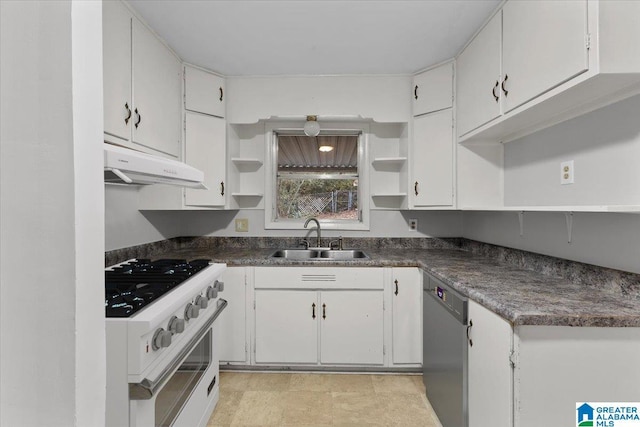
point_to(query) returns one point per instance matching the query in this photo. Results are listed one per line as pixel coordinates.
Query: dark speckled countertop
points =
(523, 297)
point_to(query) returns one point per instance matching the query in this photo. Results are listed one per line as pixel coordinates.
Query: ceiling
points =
(310, 37)
(296, 152)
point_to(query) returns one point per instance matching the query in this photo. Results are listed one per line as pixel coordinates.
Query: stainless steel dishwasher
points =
(445, 351)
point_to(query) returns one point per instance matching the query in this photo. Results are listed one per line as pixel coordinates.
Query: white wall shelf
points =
(595, 208)
(247, 194)
(389, 161)
(389, 195)
(239, 161)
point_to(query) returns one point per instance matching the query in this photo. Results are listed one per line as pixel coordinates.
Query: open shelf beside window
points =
(246, 162)
(389, 161)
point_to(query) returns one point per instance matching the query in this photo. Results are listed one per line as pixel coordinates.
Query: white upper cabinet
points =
(478, 78)
(433, 90)
(204, 92)
(432, 160)
(157, 93)
(543, 45)
(537, 63)
(205, 150)
(116, 49)
(142, 85)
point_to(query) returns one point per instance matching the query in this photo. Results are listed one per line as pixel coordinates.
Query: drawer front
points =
(318, 278)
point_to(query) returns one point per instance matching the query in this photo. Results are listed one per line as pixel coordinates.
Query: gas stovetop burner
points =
(134, 285)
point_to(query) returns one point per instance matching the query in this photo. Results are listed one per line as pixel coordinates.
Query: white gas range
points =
(162, 356)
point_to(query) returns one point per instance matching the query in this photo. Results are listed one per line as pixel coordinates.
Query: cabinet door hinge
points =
(384, 350)
(587, 40)
(383, 306)
(254, 304)
(512, 358)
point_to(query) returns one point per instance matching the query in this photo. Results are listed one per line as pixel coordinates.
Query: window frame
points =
(272, 130)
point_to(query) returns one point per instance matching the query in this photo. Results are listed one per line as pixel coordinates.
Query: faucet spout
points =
(317, 228)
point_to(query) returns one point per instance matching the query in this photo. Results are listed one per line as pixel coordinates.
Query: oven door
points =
(187, 392)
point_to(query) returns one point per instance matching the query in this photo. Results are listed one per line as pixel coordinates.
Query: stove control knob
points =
(202, 302)
(191, 311)
(176, 326)
(161, 339)
(212, 292)
(218, 285)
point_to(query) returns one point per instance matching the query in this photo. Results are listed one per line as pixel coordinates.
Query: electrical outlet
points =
(413, 224)
(242, 225)
(566, 172)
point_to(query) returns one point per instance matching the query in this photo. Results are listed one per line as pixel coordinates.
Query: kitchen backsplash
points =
(586, 274)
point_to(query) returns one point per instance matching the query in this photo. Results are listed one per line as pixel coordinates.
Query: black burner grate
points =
(133, 286)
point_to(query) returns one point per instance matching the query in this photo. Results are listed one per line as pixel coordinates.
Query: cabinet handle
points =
(221, 93)
(313, 310)
(506, 92)
(396, 282)
(139, 118)
(415, 188)
(222, 188)
(126, 119)
(493, 91)
(324, 311)
(415, 92)
(468, 329)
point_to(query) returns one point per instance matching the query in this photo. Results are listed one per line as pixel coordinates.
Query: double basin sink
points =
(320, 254)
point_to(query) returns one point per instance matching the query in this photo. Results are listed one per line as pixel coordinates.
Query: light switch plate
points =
(566, 172)
(242, 225)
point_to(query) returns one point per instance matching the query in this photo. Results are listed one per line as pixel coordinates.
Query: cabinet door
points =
(432, 159)
(204, 92)
(351, 327)
(116, 50)
(477, 78)
(544, 45)
(489, 370)
(205, 150)
(433, 90)
(157, 85)
(233, 321)
(286, 330)
(407, 316)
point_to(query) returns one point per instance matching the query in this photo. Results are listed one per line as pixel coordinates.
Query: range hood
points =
(126, 166)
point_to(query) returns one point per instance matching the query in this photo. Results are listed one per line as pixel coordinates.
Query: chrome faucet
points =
(317, 228)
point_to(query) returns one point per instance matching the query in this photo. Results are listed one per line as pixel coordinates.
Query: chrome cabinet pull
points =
(415, 188)
(506, 92)
(415, 92)
(493, 91)
(324, 311)
(221, 93)
(468, 329)
(139, 118)
(396, 282)
(222, 188)
(126, 119)
(313, 310)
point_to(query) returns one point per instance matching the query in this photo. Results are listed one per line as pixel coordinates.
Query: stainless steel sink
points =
(320, 254)
(345, 254)
(295, 254)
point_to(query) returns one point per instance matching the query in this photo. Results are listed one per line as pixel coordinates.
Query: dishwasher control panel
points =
(449, 298)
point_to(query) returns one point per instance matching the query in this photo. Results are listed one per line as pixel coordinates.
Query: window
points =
(317, 177)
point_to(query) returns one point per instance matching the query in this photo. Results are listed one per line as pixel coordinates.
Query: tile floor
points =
(321, 399)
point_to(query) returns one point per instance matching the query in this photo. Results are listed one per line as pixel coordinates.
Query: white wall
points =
(51, 215)
(383, 224)
(605, 146)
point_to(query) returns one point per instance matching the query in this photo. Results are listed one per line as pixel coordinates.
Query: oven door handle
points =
(146, 389)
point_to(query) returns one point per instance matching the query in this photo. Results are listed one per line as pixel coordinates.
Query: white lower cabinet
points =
(406, 307)
(286, 326)
(232, 335)
(319, 316)
(351, 327)
(489, 370)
